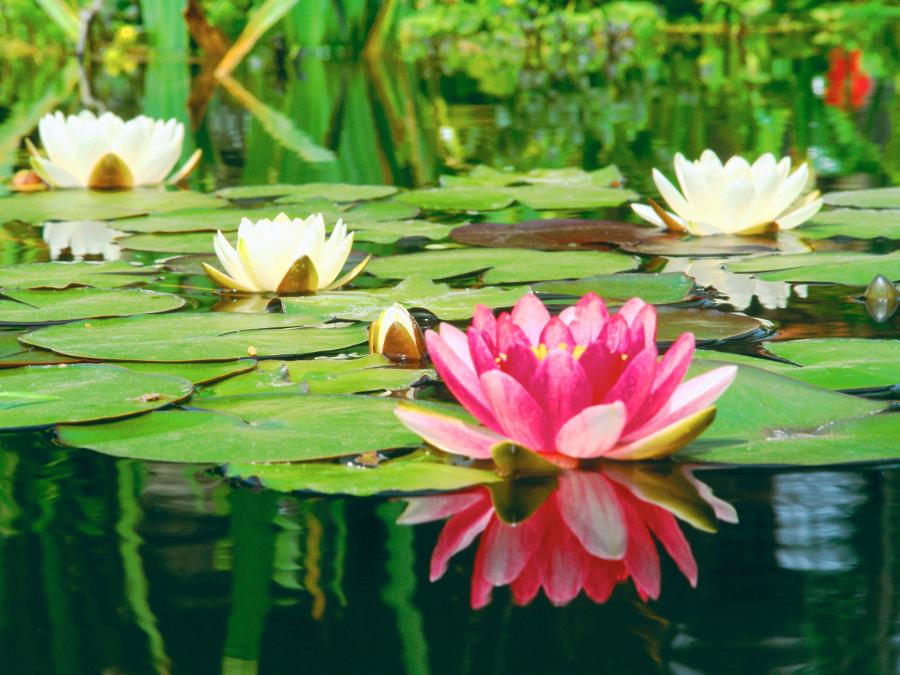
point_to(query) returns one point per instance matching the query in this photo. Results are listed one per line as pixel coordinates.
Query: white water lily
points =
(108, 153)
(284, 255)
(734, 198)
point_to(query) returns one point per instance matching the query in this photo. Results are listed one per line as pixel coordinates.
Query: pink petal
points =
(631, 309)
(723, 510)
(448, 433)
(586, 319)
(664, 525)
(602, 368)
(670, 372)
(456, 340)
(530, 315)
(460, 377)
(635, 382)
(527, 584)
(641, 558)
(483, 357)
(483, 319)
(690, 397)
(589, 506)
(438, 507)
(516, 411)
(602, 577)
(509, 547)
(592, 432)
(616, 334)
(509, 335)
(458, 533)
(480, 594)
(563, 566)
(561, 387)
(556, 335)
(520, 362)
(643, 326)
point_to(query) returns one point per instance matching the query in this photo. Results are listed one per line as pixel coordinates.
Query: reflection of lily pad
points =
(671, 244)
(261, 428)
(761, 409)
(503, 265)
(832, 363)
(615, 289)
(418, 472)
(63, 275)
(192, 337)
(37, 307)
(38, 207)
(36, 396)
(336, 192)
(853, 223)
(878, 198)
(324, 376)
(457, 199)
(850, 269)
(551, 234)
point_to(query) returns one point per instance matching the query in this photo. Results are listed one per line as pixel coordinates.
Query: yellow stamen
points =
(578, 351)
(540, 351)
(624, 357)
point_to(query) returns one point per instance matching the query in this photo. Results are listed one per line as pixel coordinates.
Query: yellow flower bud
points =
(396, 334)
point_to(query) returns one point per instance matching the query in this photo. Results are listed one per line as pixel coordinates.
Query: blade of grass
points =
(63, 15)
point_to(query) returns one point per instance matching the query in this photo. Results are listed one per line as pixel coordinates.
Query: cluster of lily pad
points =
(287, 380)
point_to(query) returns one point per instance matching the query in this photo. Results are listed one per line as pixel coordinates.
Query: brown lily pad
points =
(552, 234)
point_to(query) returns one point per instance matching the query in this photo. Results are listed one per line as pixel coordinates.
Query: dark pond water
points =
(114, 566)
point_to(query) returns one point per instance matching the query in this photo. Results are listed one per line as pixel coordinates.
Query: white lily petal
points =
(648, 214)
(799, 216)
(673, 197)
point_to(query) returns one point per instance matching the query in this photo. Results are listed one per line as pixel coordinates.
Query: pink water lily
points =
(594, 531)
(581, 385)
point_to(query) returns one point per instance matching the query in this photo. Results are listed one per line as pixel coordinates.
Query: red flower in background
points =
(847, 82)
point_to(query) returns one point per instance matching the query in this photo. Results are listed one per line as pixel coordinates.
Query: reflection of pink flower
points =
(846, 76)
(593, 532)
(578, 386)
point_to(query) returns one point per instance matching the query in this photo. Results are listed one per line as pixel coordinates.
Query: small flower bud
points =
(397, 335)
(27, 181)
(881, 299)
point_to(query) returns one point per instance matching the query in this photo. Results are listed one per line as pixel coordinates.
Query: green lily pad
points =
(415, 292)
(853, 223)
(485, 176)
(184, 243)
(193, 337)
(551, 234)
(324, 376)
(844, 363)
(378, 211)
(457, 199)
(38, 396)
(260, 428)
(38, 207)
(14, 354)
(391, 231)
(36, 276)
(849, 269)
(616, 289)
(559, 197)
(761, 408)
(42, 307)
(414, 473)
(336, 192)
(198, 373)
(878, 198)
(194, 220)
(503, 265)
(868, 439)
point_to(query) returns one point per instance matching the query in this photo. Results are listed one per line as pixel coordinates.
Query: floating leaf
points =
(616, 289)
(184, 243)
(457, 199)
(878, 198)
(850, 269)
(336, 192)
(418, 472)
(198, 373)
(415, 292)
(503, 265)
(544, 197)
(845, 363)
(391, 231)
(324, 376)
(14, 354)
(485, 176)
(195, 220)
(82, 393)
(37, 207)
(853, 223)
(258, 428)
(707, 325)
(37, 276)
(193, 337)
(41, 307)
(551, 234)
(761, 408)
